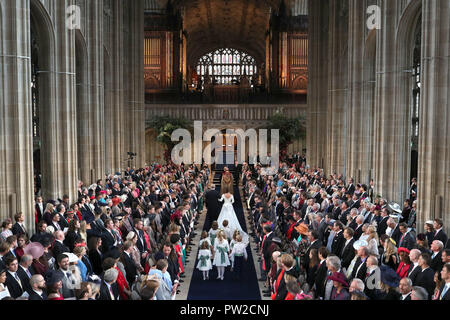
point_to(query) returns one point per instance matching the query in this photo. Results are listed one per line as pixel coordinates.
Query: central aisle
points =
(245, 289)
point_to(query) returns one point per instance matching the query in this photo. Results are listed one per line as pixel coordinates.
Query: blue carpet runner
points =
(229, 289)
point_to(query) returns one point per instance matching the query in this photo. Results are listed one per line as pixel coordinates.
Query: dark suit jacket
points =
(71, 238)
(107, 241)
(436, 263)
(141, 244)
(35, 297)
(446, 297)
(130, 268)
(96, 259)
(321, 230)
(320, 280)
(267, 255)
(39, 213)
(396, 234)
(358, 233)
(212, 204)
(413, 275)
(282, 290)
(17, 230)
(382, 226)
(59, 248)
(425, 279)
(407, 242)
(348, 253)
(338, 243)
(105, 294)
(24, 278)
(13, 286)
(441, 236)
(361, 273)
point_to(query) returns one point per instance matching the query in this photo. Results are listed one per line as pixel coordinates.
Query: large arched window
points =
(226, 66)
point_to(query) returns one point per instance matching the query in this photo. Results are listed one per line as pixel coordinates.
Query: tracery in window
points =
(226, 66)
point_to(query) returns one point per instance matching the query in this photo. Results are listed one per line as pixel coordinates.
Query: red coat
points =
(402, 270)
(122, 284)
(277, 283)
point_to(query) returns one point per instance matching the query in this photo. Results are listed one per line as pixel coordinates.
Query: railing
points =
(217, 112)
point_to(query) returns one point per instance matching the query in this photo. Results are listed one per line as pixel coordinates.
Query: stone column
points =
(136, 86)
(318, 83)
(16, 140)
(434, 132)
(62, 149)
(117, 69)
(360, 81)
(96, 89)
(339, 121)
(388, 157)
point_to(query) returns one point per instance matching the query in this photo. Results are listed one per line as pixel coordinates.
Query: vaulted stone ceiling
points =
(213, 24)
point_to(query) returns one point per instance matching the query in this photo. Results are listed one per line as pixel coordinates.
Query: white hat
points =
(131, 235)
(360, 243)
(50, 229)
(72, 257)
(395, 207)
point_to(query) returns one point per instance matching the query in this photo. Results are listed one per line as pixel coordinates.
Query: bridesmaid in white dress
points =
(222, 250)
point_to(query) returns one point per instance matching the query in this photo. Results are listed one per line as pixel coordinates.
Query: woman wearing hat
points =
(405, 262)
(389, 282)
(54, 286)
(340, 285)
(390, 257)
(37, 251)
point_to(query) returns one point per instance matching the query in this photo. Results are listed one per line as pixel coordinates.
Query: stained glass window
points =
(226, 66)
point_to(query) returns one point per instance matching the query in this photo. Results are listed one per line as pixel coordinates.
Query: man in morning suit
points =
(109, 289)
(414, 268)
(360, 268)
(322, 273)
(406, 239)
(425, 278)
(15, 286)
(439, 234)
(130, 267)
(338, 240)
(348, 252)
(212, 204)
(436, 256)
(266, 254)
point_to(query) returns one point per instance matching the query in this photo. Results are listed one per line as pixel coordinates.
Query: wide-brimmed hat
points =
(402, 249)
(72, 257)
(302, 228)
(52, 277)
(339, 277)
(389, 277)
(360, 243)
(34, 249)
(395, 207)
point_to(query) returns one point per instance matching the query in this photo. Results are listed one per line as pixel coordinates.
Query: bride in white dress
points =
(227, 213)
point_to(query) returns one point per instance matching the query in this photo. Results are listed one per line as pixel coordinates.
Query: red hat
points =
(339, 277)
(102, 192)
(116, 201)
(402, 249)
(92, 197)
